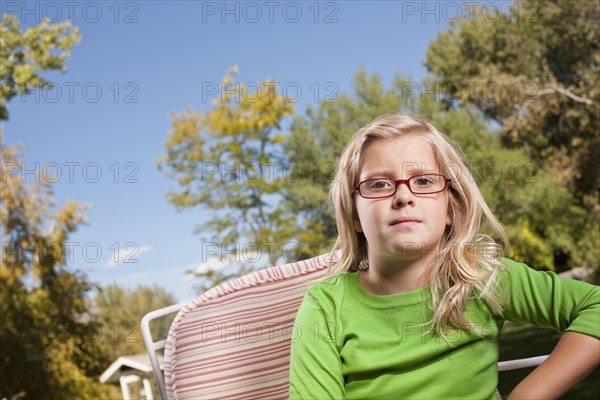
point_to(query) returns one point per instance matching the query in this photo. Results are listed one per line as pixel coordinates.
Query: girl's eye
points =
(423, 181)
(379, 184)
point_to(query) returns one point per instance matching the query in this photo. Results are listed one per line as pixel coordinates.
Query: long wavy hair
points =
(467, 263)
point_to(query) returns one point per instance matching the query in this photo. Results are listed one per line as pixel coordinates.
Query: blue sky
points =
(100, 132)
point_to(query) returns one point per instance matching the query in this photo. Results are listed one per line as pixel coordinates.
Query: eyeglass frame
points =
(399, 182)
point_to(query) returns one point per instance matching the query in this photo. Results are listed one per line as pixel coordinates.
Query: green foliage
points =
(24, 53)
(536, 72)
(527, 247)
(48, 337)
(229, 161)
(220, 159)
(541, 215)
(120, 312)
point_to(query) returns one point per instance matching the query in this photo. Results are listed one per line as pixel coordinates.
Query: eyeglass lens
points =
(419, 184)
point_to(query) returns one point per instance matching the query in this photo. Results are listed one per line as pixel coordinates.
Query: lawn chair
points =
(234, 340)
(247, 319)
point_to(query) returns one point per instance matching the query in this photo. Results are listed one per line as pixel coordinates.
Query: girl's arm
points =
(575, 356)
(546, 300)
(315, 364)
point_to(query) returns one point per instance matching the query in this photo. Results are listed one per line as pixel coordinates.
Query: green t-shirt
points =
(348, 343)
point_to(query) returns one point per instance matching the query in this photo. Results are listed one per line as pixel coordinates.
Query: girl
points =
(416, 308)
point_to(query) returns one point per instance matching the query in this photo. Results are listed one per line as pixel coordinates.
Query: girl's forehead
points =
(406, 151)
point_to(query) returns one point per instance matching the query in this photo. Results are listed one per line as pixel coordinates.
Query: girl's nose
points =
(403, 196)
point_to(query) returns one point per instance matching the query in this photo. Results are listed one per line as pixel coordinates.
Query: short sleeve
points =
(544, 299)
(315, 364)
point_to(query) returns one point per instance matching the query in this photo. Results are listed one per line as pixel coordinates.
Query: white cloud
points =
(129, 254)
(231, 260)
(214, 264)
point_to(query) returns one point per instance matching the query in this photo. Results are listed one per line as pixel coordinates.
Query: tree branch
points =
(571, 95)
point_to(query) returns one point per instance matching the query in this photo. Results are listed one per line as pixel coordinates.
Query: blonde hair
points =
(468, 262)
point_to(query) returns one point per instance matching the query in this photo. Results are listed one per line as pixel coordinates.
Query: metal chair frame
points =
(154, 346)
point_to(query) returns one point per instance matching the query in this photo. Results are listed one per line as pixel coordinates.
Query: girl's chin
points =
(410, 249)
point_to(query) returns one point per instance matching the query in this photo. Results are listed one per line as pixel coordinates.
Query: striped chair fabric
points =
(233, 342)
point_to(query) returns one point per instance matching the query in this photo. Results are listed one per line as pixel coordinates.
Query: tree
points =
(23, 54)
(536, 72)
(120, 312)
(228, 160)
(541, 216)
(49, 347)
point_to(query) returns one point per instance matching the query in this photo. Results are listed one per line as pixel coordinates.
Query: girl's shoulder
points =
(332, 288)
(510, 263)
(515, 270)
(521, 280)
(333, 282)
(511, 266)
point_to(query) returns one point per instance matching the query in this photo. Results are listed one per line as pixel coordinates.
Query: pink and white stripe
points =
(233, 342)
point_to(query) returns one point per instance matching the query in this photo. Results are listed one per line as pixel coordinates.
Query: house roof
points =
(135, 363)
